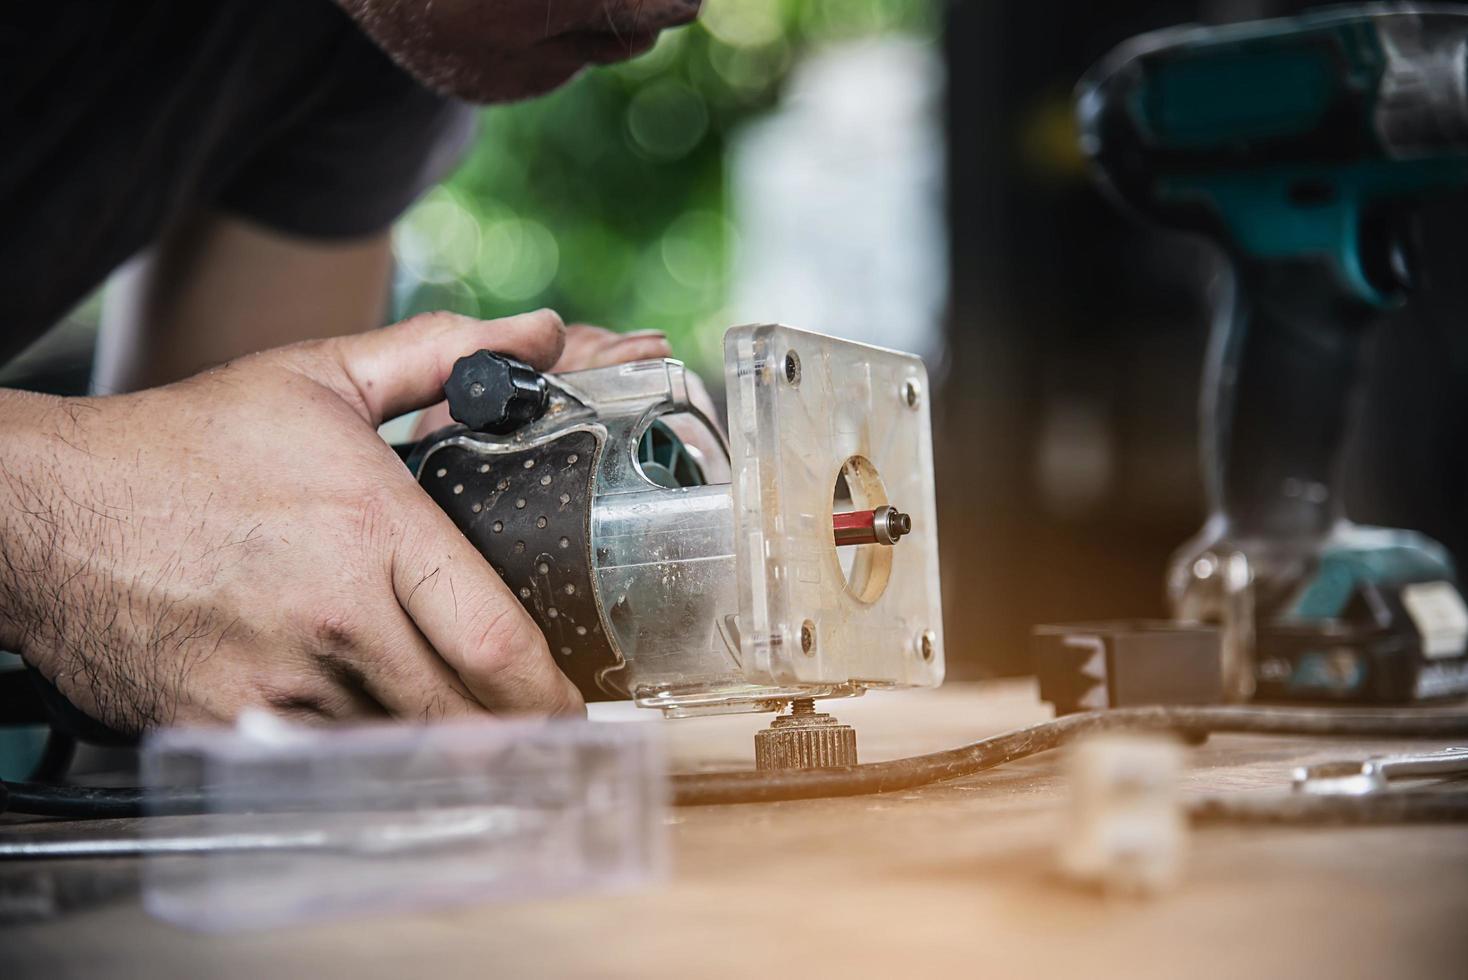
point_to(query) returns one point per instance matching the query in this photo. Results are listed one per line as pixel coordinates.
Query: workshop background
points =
(905, 172)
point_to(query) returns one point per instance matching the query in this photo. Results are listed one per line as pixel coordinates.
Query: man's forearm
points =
(59, 607)
(27, 517)
(84, 582)
(218, 287)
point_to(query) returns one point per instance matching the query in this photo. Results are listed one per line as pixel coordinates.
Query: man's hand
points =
(244, 537)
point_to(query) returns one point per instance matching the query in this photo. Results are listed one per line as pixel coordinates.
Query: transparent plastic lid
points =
(308, 823)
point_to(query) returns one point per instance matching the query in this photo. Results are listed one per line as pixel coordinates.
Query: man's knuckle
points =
(549, 323)
(570, 700)
(503, 639)
(549, 319)
(296, 696)
(330, 632)
(426, 321)
(376, 514)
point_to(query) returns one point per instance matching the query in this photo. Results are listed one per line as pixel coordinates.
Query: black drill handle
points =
(1281, 387)
(494, 393)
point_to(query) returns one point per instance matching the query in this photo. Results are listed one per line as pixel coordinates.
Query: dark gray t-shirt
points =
(118, 117)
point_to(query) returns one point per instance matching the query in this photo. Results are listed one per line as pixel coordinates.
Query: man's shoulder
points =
(123, 115)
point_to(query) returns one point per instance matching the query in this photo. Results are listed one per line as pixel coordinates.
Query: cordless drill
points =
(1303, 147)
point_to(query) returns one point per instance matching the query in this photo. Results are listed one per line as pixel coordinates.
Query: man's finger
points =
(633, 347)
(475, 624)
(403, 367)
(433, 418)
(593, 347)
(407, 677)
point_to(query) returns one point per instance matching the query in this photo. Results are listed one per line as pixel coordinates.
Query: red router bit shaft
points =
(854, 528)
(882, 525)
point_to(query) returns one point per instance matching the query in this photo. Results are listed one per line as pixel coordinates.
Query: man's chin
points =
(486, 81)
(512, 49)
(596, 47)
(548, 66)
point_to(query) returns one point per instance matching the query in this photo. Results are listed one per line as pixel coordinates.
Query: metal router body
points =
(719, 597)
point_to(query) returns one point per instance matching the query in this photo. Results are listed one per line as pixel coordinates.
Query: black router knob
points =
(493, 393)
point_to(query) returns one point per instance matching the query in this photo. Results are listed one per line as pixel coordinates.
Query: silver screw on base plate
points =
(804, 739)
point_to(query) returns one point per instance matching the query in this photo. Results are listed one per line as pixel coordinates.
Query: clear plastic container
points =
(306, 823)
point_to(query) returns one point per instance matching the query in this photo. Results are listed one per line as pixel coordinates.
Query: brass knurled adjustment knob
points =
(804, 739)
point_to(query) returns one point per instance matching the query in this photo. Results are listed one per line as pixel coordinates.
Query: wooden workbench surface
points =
(951, 880)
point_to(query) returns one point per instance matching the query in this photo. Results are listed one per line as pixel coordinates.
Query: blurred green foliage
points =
(606, 199)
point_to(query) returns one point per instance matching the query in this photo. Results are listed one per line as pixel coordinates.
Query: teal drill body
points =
(1288, 140)
(1303, 147)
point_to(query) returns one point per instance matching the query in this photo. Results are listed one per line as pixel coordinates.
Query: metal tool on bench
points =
(695, 598)
(1375, 774)
(1302, 147)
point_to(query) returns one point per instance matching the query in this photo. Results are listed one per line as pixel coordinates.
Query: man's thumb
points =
(403, 367)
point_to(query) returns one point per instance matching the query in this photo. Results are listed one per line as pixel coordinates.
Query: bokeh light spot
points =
(743, 22)
(438, 241)
(667, 119)
(693, 250)
(518, 258)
